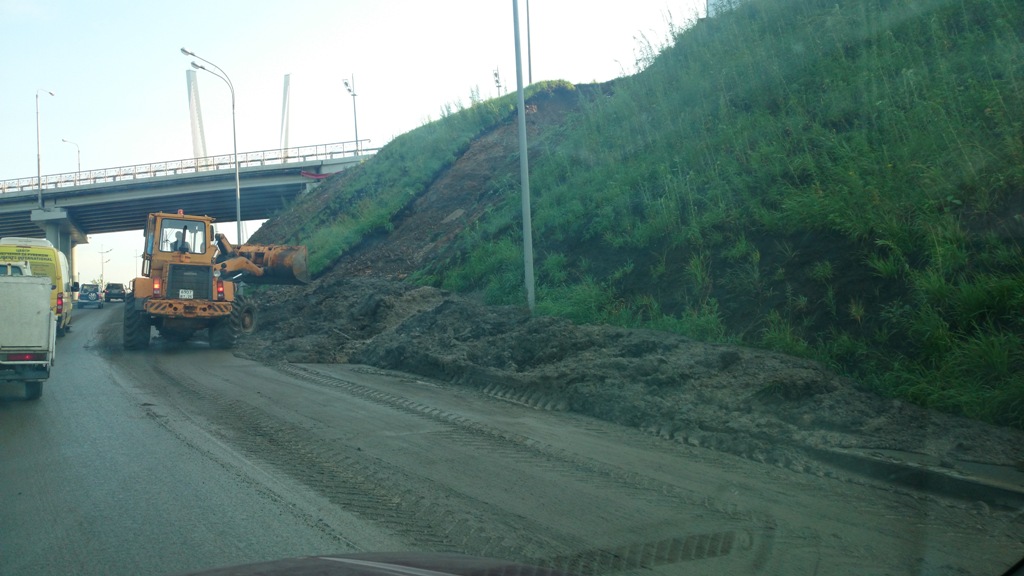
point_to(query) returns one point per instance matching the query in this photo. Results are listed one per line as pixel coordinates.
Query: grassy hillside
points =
(836, 180)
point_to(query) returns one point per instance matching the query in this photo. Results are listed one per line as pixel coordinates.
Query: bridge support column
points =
(61, 232)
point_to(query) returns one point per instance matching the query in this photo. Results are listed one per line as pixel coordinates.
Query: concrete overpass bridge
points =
(66, 208)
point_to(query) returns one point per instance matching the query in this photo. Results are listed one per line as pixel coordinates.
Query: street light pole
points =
(234, 133)
(103, 281)
(79, 151)
(524, 169)
(355, 120)
(39, 155)
(529, 50)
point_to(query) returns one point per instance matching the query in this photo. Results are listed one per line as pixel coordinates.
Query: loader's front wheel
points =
(136, 325)
(247, 315)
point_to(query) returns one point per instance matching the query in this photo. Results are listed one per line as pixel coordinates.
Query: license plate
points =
(185, 294)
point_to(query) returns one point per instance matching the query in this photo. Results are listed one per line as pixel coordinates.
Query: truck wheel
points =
(33, 390)
(136, 325)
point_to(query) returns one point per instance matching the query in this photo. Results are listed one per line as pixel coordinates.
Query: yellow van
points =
(45, 260)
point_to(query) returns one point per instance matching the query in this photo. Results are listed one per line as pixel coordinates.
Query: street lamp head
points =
(187, 53)
(199, 66)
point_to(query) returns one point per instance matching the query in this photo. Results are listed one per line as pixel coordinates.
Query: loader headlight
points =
(216, 273)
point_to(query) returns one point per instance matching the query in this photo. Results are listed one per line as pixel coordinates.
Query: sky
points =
(119, 78)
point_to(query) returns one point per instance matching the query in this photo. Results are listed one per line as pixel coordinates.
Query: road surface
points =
(181, 458)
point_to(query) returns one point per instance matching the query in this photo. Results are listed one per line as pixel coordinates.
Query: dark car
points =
(89, 295)
(114, 292)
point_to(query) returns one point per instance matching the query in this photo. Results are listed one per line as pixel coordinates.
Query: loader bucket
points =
(280, 264)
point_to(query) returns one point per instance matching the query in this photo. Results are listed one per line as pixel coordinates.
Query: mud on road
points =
(434, 464)
(765, 406)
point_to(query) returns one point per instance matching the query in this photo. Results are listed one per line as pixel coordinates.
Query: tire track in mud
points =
(523, 448)
(582, 559)
(426, 514)
(161, 419)
(430, 515)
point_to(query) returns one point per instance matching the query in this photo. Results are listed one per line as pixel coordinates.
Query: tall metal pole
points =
(355, 119)
(79, 154)
(524, 168)
(234, 133)
(238, 183)
(39, 155)
(529, 49)
(103, 281)
(285, 114)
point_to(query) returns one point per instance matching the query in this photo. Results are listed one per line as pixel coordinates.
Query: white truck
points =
(28, 327)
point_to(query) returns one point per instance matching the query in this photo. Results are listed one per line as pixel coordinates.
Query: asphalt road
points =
(94, 481)
(182, 458)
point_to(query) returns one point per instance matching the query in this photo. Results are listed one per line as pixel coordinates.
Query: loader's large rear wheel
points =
(136, 325)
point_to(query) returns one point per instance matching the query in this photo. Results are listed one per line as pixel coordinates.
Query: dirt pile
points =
(758, 404)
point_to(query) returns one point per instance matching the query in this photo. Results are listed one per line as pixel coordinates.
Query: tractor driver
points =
(180, 245)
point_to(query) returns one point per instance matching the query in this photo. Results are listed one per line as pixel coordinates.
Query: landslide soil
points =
(762, 405)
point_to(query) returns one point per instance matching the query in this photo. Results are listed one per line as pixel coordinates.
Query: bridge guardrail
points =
(220, 162)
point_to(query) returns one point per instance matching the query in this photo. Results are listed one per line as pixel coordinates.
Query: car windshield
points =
(643, 289)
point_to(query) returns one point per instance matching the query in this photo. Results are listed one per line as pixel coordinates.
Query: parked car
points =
(89, 295)
(114, 292)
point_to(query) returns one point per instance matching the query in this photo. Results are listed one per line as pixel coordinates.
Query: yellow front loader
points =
(191, 281)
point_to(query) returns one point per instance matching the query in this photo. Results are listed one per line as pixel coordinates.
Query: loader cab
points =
(175, 238)
(182, 236)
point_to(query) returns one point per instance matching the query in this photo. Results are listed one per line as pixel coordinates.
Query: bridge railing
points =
(208, 163)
